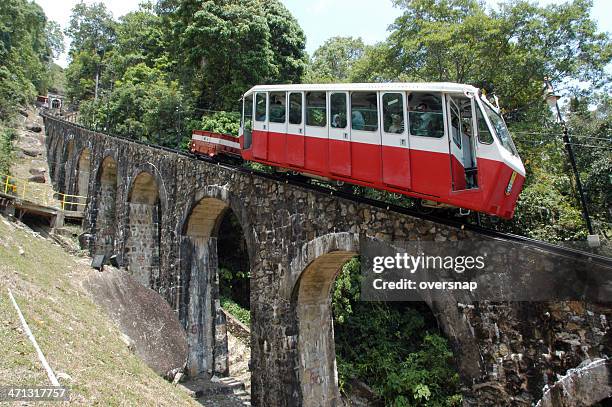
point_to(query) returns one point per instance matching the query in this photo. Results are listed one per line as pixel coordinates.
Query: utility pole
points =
(551, 99)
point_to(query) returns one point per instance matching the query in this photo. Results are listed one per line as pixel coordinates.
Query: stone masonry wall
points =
(142, 244)
(506, 352)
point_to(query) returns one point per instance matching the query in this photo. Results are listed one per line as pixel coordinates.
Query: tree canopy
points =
(166, 64)
(28, 42)
(333, 61)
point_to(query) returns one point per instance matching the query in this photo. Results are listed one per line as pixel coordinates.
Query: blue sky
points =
(369, 19)
(320, 19)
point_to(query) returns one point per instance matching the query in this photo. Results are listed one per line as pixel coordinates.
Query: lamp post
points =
(552, 99)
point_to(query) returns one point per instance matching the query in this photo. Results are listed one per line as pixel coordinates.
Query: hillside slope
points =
(80, 342)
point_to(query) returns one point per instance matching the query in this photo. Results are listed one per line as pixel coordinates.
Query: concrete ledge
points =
(237, 328)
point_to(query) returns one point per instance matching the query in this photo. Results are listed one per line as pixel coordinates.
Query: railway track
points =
(285, 178)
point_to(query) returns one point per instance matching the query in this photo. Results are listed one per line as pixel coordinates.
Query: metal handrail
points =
(34, 192)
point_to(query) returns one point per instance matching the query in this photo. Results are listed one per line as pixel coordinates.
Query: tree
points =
(333, 61)
(92, 33)
(25, 53)
(225, 47)
(461, 41)
(287, 41)
(55, 38)
(140, 39)
(591, 132)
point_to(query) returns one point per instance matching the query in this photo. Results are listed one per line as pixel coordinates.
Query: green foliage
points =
(6, 149)
(346, 290)
(241, 314)
(592, 129)
(221, 122)
(57, 79)
(254, 42)
(391, 347)
(460, 41)
(91, 29)
(92, 33)
(157, 68)
(25, 53)
(333, 61)
(545, 212)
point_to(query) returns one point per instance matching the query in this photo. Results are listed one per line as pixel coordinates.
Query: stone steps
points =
(218, 392)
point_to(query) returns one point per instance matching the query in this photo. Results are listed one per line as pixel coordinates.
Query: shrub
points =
(241, 314)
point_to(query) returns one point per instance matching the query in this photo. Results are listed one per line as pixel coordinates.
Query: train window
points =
(278, 105)
(393, 113)
(295, 108)
(260, 107)
(501, 131)
(484, 134)
(364, 111)
(337, 103)
(316, 109)
(455, 121)
(247, 121)
(425, 115)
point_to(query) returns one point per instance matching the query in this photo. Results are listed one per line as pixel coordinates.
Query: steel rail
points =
(282, 177)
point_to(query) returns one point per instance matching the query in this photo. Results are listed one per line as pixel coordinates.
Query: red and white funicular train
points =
(441, 142)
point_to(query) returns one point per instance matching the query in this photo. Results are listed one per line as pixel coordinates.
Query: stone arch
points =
(57, 172)
(142, 245)
(200, 308)
(151, 170)
(311, 276)
(588, 384)
(105, 225)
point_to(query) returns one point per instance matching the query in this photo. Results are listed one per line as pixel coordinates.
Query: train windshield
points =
(501, 131)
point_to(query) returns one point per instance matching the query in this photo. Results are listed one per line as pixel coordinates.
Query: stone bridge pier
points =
(160, 213)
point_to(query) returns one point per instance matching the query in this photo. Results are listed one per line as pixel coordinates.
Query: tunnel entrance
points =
(144, 220)
(106, 217)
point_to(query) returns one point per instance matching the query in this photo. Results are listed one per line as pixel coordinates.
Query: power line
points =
(553, 135)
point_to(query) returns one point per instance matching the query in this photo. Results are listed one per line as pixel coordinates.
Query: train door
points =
(316, 140)
(295, 130)
(365, 137)
(277, 127)
(395, 151)
(461, 143)
(428, 146)
(339, 136)
(247, 122)
(260, 126)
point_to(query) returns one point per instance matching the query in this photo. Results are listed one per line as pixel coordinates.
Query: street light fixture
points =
(552, 99)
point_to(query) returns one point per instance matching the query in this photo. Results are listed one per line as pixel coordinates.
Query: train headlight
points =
(510, 183)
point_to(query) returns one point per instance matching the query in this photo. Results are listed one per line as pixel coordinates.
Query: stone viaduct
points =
(159, 212)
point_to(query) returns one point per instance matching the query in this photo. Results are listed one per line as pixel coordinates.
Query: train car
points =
(441, 142)
(213, 144)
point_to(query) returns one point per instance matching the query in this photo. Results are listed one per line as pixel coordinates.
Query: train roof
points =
(387, 86)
